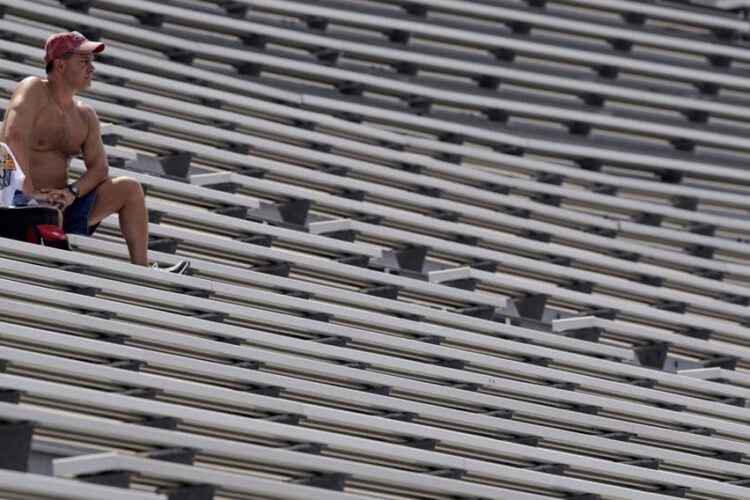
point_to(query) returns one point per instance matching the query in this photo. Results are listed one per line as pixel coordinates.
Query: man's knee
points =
(131, 189)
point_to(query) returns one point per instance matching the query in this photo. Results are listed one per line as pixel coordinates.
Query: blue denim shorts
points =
(75, 217)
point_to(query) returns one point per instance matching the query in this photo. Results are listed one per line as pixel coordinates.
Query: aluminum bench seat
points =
(510, 264)
(466, 377)
(443, 204)
(531, 110)
(180, 474)
(634, 311)
(680, 343)
(709, 18)
(566, 439)
(520, 243)
(34, 486)
(332, 292)
(352, 443)
(688, 215)
(578, 56)
(630, 159)
(461, 418)
(234, 450)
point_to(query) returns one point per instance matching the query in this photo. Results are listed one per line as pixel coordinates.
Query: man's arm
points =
(94, 157)
(94, 154)
(23, 108)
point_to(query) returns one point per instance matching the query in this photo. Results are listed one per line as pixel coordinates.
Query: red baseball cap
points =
(60, 44)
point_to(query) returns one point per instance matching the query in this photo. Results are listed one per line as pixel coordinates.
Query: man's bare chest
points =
(58, 131)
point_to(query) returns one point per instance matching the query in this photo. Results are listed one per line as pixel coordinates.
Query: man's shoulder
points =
(32, 84)
(86, 110)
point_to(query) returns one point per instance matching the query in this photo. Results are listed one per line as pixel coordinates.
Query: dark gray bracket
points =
(263, 240)
(117, 479)
(447, 473)
(578, 286)
(270, 391)
(235, 9)
(180, 55)
(320, 316)
(333, 341)
(310, 448)
(481, 312)
(354, 260)
(557, 469)
(587, 409)
(466, 386)
(671, 306)
(652, 355)
(702, 251)
(725, 362)
(175, 455)
(326, 55)
(126, 364)
(192, 492)
(529, 307)
(151, 19)
(77, 5)
(648, 219)
(16, 445)
(398, 36)
(381, 390)
(523, 440)
(10, 396)
(285, 418)
(488, 82)
(455, 364)
(591, 334)
(646, 463)
(383, 291)
(176, 166)
(422, 444)
(334, 481)
(400, 416)
(420, 104)
(235, 211)
(618, 436)
(316, 22)
(469, 284)
(165, 245)
(593, 99)
(643, 382)
(249, 69)
(610, 314)
(415, 9)
(499, 413)
(536, 236)
(710, 274)
(601, 231)
(216, 317)
(277, 269)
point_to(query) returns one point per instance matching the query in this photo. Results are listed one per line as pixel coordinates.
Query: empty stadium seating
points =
(440, 249)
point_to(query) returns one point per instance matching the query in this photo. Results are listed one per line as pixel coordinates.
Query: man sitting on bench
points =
(45, 127)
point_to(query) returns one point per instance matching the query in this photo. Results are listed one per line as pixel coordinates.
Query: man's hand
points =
(59, 198)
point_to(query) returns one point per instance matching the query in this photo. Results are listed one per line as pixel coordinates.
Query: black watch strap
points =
(74, 189)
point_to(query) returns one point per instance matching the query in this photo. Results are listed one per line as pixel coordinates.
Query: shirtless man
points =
(45, 127)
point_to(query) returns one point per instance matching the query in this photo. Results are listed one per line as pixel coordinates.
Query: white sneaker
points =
(181, 267)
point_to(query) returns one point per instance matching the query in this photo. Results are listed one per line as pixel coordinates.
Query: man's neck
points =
(61, 95)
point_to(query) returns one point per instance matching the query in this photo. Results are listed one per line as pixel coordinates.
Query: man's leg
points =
(124, 196)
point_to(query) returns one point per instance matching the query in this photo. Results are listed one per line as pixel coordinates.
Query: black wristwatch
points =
(74, 189)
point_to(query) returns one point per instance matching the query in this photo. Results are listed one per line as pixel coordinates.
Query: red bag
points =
(48, 235)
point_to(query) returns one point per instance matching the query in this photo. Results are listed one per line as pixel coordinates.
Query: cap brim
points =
(89, 47)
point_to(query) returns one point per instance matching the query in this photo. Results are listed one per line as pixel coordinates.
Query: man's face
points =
(78, 70)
